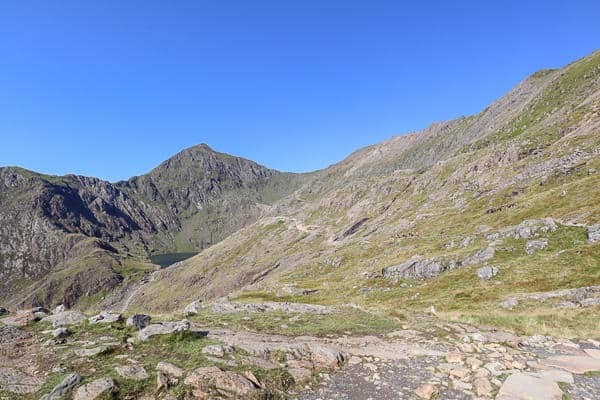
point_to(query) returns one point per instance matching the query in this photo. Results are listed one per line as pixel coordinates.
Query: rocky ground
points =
(66, 354)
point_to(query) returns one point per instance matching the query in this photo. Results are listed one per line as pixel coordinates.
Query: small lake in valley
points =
(168, 259)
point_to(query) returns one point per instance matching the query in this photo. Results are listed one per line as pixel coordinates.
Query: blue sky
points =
(112, 88)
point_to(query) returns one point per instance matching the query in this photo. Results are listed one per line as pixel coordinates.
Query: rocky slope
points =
(188, 202)
(455, 197)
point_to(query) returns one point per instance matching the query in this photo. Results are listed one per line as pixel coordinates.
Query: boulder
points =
(593, 233)
(533, 246)
(63, 388)
(164, 328)
(105, 318)
(192, 309)
(487, 272)
(138, 321)
(227, 384)
(133, 372)
(95, 389)
(60, 308)
(65, 318)
(217, 350)
(169, 369)
(60, 332)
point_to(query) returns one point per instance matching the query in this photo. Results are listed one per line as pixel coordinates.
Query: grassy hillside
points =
(440, 194)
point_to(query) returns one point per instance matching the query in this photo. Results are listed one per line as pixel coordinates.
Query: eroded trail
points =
(442, 361)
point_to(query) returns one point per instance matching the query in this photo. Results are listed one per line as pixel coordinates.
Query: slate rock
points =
(63, 388)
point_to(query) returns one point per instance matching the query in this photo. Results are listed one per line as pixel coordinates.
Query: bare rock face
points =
(418, 268)
(44, 219)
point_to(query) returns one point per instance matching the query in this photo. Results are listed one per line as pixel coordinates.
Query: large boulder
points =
(164, 328)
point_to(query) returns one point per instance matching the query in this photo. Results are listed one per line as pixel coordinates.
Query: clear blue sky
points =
(112, 88)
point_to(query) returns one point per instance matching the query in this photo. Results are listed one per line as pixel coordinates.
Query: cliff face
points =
(187, 203)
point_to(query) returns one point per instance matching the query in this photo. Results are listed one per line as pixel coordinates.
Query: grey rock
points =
(65, 318)
(60, 308)
(522, 386)
(105, 318)
(487, 272)
(95, 350)
(138, 321)
(192, 309)
(95, 389)
(592, 171)
(11, 334)
(164, 328)
(15, 381)
(533, 246)
(224, 306)
(593, 233)
(60, 332)
(133, 372)
(480, 257)
(170, 369)
(63, 388)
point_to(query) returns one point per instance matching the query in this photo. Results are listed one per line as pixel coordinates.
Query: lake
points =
(167, 259)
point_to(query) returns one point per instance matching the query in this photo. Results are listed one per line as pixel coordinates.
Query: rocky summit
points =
(458, 262)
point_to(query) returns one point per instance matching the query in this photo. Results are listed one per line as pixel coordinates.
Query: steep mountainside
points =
(408, 222)
(188, 202)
